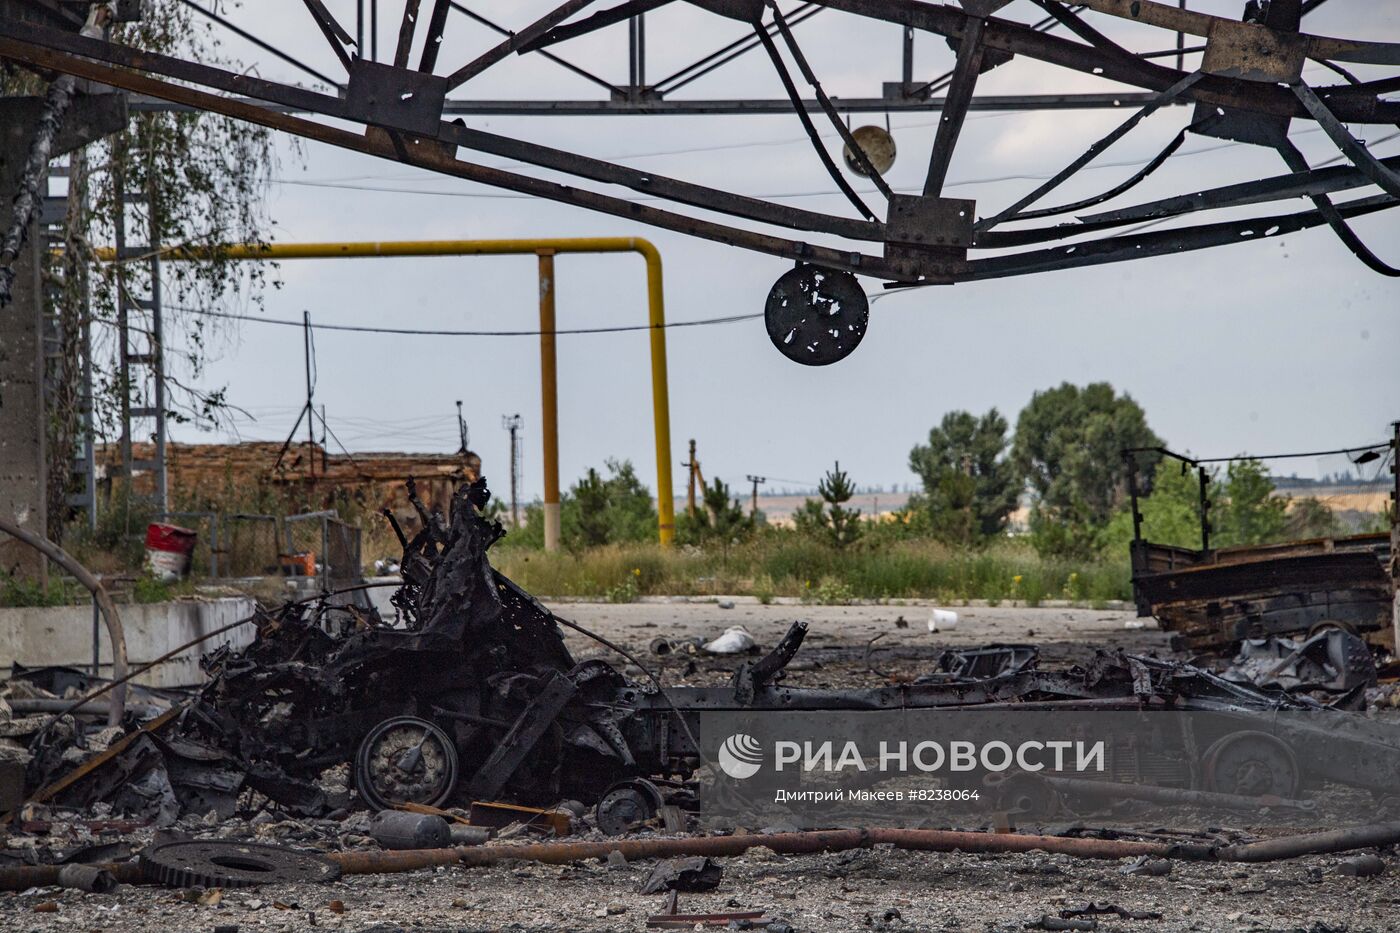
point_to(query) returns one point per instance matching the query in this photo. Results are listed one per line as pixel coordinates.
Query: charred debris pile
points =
(470, 704)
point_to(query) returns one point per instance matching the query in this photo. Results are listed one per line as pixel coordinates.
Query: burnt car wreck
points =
(473, 695)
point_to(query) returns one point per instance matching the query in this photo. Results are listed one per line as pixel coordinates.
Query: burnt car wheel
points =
(405, 760)
(1253, 764)
(627, 805)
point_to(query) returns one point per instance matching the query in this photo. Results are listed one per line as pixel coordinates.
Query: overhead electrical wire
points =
(424, 332)
(775, 196)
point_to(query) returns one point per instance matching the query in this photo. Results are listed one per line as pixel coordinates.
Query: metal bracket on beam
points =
(1248, 52)
(929, 237)
(395, 98)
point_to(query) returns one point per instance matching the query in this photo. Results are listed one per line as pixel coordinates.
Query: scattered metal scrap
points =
(1332, 660)
(210, 863)
(694, 873)
(475, 697)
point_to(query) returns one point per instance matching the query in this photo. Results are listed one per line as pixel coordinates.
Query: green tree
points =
(1068, 445)
(587, 522)
(201, 178)
(970, 487)
(600, 510)
(1310, 518)
(1171, 514)
(1244, 509)
(1250, 513)
(828, 519)
(722, 518)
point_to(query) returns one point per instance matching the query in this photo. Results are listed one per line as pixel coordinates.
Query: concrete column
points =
(23, 458)
(23, 421)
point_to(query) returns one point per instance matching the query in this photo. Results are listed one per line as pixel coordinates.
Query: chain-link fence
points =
(249, 545)
(313, 544)
(320, 544)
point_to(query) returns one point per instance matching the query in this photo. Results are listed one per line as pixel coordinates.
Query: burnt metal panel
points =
(395, 98)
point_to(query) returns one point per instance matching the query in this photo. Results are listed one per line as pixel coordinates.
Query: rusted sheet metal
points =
(1215, 598)
(51, 790)
(500, 815)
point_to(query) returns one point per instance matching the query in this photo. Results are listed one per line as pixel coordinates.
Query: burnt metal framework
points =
(1247, 88)
(473, 696)
(1214, 598)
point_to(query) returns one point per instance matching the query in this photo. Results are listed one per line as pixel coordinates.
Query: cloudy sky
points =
(1269, 346)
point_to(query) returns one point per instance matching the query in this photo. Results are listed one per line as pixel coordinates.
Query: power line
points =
(775, 196)
(414, 332)
(1348, 451)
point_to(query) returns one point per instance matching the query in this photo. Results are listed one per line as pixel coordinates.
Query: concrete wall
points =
(62, 635)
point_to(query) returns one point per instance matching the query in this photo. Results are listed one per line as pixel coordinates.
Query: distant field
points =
(1365, 498)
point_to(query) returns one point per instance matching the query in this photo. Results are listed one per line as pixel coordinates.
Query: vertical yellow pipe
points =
(549, 402)
(660, 395)
(545, 249)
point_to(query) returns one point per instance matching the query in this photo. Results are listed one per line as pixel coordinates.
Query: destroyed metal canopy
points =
(1248, 88)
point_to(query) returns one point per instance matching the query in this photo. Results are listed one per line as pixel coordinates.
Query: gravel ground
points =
(838, 892)
(834, 652)
(877, 889)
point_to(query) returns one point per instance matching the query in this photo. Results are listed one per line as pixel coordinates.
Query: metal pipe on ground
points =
(836, 840)
(57, 705)
(1174, 794)
(104, 602)
(1336, 840)
(24, 877)
(368, 862)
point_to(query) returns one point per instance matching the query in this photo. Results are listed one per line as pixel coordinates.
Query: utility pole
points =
(691, 468)
(461, 430)
(310, 406)
(755, 480)
(512, 424)
(1395, 530)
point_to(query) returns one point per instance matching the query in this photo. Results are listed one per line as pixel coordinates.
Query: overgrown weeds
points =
(788, 565)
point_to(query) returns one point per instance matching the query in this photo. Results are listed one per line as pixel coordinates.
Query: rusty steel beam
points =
(950, 120)
(407, 26)
(817, 145)
(335, 34)
(429, 144)
(428, 154)
(506, 147)
(1359, 102)
(810, 76)
(1202, 24)
(515, 42)
(431, 155)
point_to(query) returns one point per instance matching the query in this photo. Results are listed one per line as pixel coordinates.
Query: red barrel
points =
(168, 550)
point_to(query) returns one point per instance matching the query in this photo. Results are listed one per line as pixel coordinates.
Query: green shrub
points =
(15, 591)
(776, 563)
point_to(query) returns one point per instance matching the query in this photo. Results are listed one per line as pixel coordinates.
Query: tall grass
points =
(787, 565)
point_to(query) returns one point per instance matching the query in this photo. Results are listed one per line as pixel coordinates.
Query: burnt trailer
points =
(1214, 598)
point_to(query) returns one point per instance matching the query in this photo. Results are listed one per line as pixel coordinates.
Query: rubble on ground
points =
(339, 735)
